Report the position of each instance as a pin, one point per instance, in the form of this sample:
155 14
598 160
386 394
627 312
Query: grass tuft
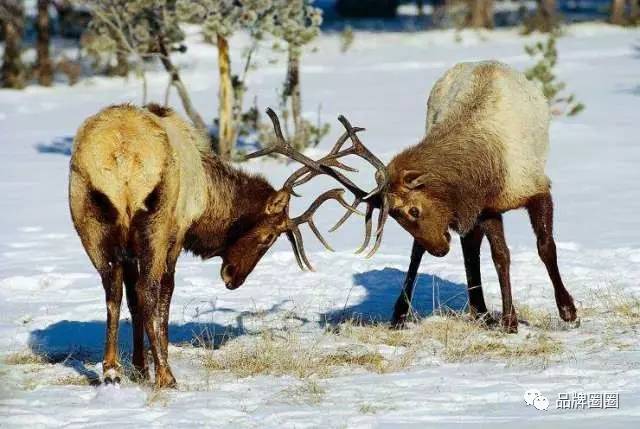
617 305
287 353
24 357
454 338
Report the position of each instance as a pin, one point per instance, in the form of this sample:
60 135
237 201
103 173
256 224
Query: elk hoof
510 324
139 374
399 321
165 379
111 376
109 380
568 313
486 319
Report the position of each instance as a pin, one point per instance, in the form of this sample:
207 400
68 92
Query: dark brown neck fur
243 196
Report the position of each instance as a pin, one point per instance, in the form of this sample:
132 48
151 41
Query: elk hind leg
540 210
112 283
131 275
148 291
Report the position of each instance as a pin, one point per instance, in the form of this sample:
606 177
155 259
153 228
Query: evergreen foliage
542 73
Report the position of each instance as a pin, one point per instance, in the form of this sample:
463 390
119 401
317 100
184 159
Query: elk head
241 257
406 198
420 211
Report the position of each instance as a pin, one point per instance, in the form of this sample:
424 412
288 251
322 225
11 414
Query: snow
51 300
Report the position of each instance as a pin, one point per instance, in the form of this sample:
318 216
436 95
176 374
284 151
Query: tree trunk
292 90
44 67
12 73
545 19
617 12
547 12
634 11
122 62
225 101
481 14
181 88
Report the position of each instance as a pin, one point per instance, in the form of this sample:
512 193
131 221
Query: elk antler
293 234
374 199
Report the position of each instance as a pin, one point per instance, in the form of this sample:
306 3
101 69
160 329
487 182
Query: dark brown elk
143 186
483 154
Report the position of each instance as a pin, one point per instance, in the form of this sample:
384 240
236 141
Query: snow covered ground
52 305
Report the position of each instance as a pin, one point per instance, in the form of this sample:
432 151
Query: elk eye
414 212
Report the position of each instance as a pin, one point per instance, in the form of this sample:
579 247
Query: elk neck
235 203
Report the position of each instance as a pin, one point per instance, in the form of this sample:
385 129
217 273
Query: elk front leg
404 300
540 210
112 283
141 371
471 243
494 230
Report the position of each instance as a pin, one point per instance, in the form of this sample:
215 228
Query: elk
143 186
484 154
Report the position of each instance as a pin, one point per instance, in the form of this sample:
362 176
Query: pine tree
141 29
219 20
297 22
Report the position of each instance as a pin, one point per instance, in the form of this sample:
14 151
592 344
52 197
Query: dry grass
455 338
616 305
451 338
367 408
157 398
24 357
75 380
288 353
307 393
538 318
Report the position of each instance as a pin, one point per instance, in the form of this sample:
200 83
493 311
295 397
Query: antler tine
304 174
296 250
361 150
329 165
294 234
309 165
283 147
382 218
367 229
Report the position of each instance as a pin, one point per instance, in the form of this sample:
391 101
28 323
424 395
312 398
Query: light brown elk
143 186
483 154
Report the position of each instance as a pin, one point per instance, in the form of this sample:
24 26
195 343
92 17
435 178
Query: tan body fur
514 114
484 153
486 143
143 186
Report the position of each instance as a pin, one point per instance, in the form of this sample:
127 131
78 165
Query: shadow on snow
383 288
76 344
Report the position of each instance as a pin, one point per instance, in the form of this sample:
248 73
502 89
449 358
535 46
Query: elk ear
277 202
413 178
